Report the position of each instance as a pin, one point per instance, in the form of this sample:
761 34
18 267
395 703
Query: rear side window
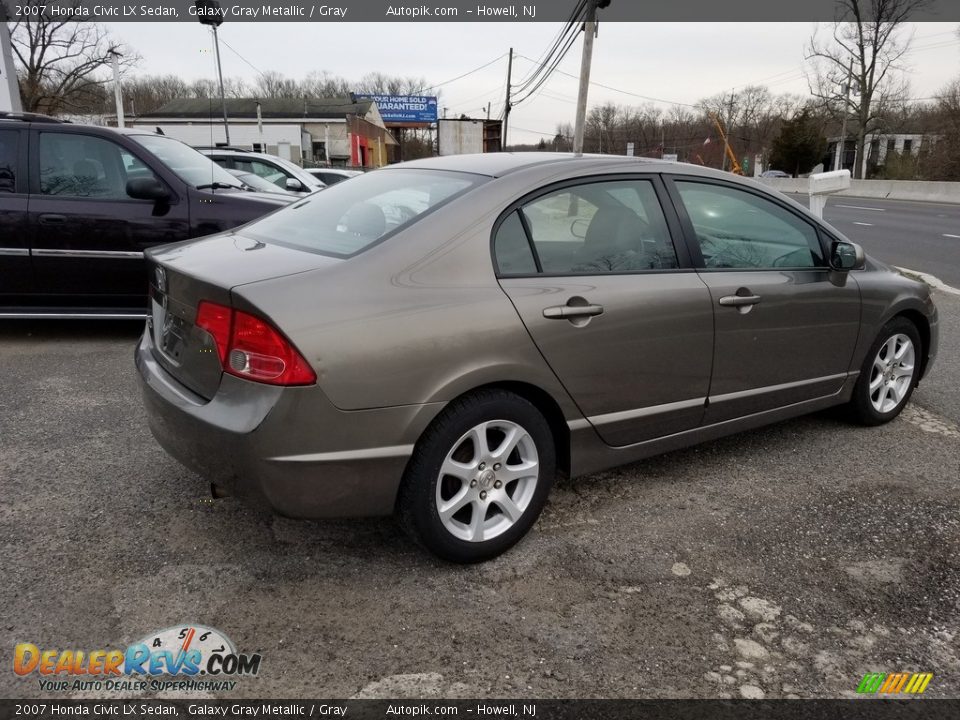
512 248
739 230
8 160
601 227
349 217
74 165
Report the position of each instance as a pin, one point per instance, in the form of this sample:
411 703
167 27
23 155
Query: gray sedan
441 339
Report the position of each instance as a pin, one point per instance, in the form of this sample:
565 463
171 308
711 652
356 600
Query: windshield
257 182
350 217
189 165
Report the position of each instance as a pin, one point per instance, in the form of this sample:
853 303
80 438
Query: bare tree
378 83
867 42
272 84
324 85
62 62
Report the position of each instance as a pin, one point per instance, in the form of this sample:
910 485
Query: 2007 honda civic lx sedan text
443 338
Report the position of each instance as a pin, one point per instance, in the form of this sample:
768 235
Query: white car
282 173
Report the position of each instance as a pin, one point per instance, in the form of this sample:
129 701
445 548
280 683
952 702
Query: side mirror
847 256
294 184
148 188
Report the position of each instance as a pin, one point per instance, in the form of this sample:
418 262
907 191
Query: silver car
441 339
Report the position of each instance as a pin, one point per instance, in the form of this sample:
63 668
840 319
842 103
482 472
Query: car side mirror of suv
847 256
294 185
148 188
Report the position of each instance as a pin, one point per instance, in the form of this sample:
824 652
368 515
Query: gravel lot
782 562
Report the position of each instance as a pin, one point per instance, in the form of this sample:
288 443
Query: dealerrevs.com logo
894 683
171 659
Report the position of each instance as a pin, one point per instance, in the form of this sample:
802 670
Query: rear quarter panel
420 318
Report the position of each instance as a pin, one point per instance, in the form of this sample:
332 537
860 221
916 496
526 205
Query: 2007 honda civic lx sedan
441 339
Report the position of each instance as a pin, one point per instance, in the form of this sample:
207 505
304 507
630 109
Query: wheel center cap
486 479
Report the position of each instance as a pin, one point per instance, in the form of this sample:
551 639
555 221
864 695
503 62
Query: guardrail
923 191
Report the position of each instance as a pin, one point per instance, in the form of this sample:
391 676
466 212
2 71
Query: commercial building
309 131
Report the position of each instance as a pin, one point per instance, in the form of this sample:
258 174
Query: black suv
79 204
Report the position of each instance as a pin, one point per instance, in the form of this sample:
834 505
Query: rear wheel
889 374
479 477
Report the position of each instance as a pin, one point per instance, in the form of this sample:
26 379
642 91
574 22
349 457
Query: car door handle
51 219
739 300
566 312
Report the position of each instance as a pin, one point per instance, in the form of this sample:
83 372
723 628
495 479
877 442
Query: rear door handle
51 219
566 312
739 300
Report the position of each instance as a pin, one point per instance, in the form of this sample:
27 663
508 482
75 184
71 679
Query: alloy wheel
487 480
892 373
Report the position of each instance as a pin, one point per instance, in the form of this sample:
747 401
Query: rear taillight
251 348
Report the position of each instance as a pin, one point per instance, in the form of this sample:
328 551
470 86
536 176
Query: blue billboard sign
405 108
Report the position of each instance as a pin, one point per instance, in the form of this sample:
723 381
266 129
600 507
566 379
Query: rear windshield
349 217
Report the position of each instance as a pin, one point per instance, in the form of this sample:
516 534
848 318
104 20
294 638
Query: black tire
417 506
861 409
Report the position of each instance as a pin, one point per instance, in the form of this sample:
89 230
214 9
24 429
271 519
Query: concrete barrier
922 191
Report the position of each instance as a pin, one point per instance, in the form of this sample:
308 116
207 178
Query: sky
673 62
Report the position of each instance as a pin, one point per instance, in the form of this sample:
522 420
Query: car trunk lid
183 275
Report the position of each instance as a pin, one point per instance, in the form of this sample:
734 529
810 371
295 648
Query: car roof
504 163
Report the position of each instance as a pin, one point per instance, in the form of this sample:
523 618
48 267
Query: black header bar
516 709
743 11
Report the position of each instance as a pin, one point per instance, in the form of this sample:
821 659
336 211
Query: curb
931 280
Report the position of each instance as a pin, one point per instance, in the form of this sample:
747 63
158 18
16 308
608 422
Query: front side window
350 217
8 160
601 227
739 230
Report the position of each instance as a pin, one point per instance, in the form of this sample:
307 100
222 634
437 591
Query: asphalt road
915 235
782 562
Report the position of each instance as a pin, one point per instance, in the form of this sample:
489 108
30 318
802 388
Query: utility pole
9 88
728 124
223 99
506 106
838 162
589 31
117 90
208 14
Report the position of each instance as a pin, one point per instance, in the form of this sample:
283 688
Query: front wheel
479 477
889 374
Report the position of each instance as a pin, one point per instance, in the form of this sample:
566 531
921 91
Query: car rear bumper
287 448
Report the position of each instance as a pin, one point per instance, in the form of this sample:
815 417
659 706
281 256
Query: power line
557 40
548 61
625 92
460 77
258 70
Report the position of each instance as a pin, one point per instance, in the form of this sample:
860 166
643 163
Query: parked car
331 176
775 174
443 338
282 173
79 204
258 184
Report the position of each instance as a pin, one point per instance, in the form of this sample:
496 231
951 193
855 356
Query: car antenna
160 131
